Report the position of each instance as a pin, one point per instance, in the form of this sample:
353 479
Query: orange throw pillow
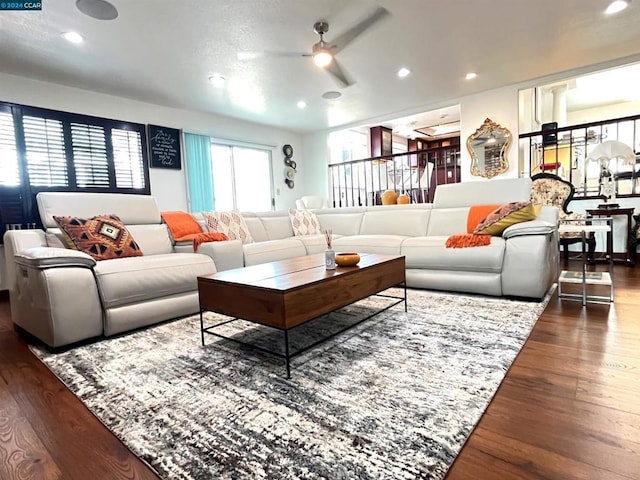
476 214
103 237
181 224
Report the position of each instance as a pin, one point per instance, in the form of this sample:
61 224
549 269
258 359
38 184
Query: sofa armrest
17 241
225 255
47 257
532 227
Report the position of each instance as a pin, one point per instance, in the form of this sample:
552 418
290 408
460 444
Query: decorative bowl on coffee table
347 259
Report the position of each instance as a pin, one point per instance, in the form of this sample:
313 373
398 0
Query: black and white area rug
394 398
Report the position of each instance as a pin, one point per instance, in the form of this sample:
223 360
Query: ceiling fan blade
350 35
270 54
336 71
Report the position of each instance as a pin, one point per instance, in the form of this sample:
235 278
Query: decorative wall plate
289 173
293 164
289 183
287 162
287 150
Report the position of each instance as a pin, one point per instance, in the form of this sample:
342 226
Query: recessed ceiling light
73 37
403 72
616 6
98 9
470 76
217 80
331 95
302 104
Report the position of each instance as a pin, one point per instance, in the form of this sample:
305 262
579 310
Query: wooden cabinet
381 141
420 159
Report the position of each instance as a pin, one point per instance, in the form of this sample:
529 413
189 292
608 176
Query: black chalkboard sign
164 147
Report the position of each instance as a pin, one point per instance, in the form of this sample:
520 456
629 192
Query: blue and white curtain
199 172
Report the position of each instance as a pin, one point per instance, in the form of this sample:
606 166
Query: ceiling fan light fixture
73 37
616 6
322 57
403 72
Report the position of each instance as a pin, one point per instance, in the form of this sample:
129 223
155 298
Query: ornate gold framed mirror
488 148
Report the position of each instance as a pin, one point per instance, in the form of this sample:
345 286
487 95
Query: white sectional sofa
62 296
520 263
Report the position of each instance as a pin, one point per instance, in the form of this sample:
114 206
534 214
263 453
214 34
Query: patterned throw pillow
104 237
504 216
231 223
304 222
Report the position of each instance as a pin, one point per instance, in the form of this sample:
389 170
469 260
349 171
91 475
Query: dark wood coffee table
288 293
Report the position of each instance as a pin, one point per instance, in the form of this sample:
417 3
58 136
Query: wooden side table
612 212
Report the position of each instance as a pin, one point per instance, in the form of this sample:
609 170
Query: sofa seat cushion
272 251
383 244
125 281
430 253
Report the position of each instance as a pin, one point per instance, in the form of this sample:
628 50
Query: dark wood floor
569 407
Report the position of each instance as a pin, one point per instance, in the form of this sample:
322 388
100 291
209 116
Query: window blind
89 155
9 170
45 152
127 158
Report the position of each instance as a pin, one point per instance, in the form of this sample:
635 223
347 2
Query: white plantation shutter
45 153
89 155
127 158
9 170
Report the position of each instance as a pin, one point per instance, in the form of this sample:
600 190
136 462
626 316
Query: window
9 171
347 145
48 150
241 178
45 152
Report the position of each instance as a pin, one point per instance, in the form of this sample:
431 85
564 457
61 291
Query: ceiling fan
324 53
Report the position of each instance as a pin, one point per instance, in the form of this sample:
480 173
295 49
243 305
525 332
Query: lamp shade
612 149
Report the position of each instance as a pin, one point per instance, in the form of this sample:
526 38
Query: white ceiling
162 51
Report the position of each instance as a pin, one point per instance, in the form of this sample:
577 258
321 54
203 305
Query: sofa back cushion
255 226
276 224
152 239
395 221
447 221
482 192
139 213
130 209
341 221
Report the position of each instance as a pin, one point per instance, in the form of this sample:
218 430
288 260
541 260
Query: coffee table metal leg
405 296
286 352
201 328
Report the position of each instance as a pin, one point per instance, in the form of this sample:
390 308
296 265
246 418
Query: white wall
315 148
588 115
168 186
501 105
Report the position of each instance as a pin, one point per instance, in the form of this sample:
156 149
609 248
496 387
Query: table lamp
603 154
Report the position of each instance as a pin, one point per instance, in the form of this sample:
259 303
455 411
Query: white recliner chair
309 202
